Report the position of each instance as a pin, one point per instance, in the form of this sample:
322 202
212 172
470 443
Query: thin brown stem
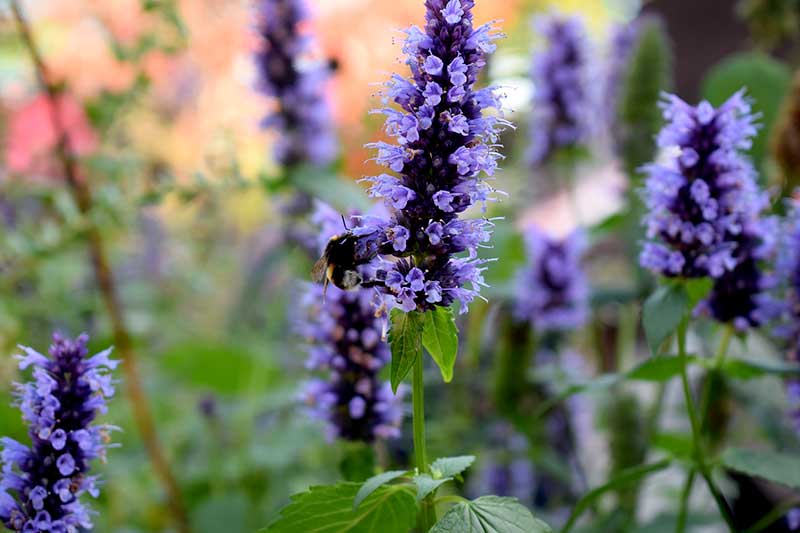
105 280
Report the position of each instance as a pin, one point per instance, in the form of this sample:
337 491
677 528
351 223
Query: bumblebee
338 263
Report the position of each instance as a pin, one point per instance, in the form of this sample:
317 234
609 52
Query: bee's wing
318 271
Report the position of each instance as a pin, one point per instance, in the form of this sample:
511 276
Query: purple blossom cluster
552 289
621 46
41 485
704 207
445 149
562 103
302 116
506 470
345 338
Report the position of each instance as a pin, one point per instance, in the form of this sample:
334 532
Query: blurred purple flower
445 150
551 289
506 470
561 99
41 485
302 118
344 338
704 207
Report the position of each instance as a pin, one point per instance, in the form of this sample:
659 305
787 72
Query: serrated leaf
490 514
772 466
742 368
662 314
329 509
372 484
451 466
440 338
426 485
405 341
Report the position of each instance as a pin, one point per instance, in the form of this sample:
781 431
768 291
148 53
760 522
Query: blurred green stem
683 511
719 359
427 517
104 276
697 436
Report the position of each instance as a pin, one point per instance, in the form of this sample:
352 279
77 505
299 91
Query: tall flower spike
552 290
344 339
446 147
41 485
787 302
302 116
561 99
704 207
621 46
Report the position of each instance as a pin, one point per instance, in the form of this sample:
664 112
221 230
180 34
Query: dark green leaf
772 466
626 477
663 312
451 466
426 485
440 338
405 337
490 514
329 509
372 484
657 369
740 368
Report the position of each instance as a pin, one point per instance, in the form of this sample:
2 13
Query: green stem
719 359
427 517
683 511
697 436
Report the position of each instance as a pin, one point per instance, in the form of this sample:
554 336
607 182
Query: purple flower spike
561 100
302 118
344 339
552 290
704 208
445 151
41 485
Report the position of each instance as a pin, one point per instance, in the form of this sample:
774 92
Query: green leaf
340 192
426 485
657 369
451 466
663 312
744 368
358 462
772 466
490 514
329 509
679 445
766 80
625 477
404 338
440 338
373 483
697 289
228 511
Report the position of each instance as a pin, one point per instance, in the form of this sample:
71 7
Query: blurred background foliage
161 107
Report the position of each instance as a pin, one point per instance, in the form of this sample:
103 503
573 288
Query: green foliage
404 337
678 445
338 191
766 80
440 338
451 466
748 368
624 478
772 466
358 463
373 483
426 485
663 312
224 512
649 73
490 514
329 509
628 442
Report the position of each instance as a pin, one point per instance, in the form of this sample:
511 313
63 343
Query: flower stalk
105 280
